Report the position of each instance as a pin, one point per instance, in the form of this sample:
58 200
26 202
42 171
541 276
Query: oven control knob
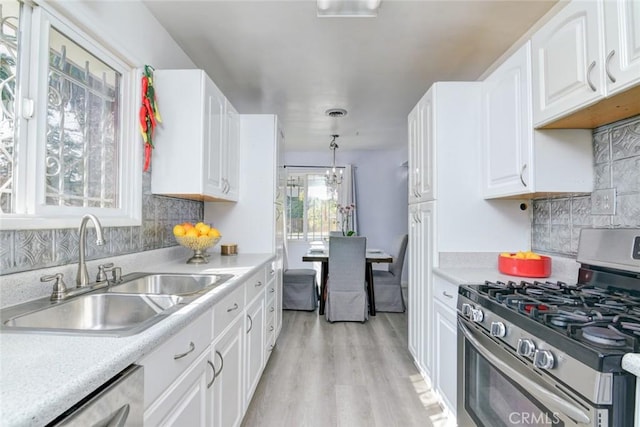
466 310
526 347
543 359
477 315
498 329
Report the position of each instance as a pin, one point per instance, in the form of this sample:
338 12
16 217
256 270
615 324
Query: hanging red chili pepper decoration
149 115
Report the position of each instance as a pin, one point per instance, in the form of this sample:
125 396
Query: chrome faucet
82 278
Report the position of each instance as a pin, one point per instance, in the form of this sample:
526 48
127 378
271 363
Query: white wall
128 28
382 194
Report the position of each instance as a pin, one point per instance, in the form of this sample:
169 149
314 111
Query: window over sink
68 142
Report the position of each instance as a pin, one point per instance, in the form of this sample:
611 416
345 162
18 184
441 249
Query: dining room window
311 206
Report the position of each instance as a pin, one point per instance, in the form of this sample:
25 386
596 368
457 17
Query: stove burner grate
603 336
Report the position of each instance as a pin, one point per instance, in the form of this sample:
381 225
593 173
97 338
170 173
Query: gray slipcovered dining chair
387 285
299 287
346 288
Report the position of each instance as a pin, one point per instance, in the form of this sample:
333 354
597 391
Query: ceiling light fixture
333 178
348 8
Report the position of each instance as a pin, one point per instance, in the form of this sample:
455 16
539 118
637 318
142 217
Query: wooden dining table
322 256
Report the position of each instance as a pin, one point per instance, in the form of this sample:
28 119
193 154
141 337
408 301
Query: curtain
350 193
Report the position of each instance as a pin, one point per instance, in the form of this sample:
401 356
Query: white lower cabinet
228 390
445 342
206 374
255 336
185 402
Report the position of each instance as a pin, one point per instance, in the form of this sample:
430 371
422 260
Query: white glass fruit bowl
199 245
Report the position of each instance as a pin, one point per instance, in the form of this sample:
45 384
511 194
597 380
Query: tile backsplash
557 222
24 250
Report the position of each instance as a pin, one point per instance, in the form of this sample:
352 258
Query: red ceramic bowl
525 267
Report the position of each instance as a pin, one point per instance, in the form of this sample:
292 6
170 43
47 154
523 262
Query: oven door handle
541 393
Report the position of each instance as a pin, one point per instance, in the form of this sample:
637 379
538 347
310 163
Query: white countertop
42 375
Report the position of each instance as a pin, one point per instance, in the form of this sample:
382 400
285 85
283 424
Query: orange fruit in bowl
191 232
187 225
213 232
179 230
203 228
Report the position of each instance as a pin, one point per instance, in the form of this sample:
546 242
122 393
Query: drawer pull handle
250 323
192 347
271 347
446 294
271 310
258 284
235 307
273 272
271 328
272 290
221 363
214 374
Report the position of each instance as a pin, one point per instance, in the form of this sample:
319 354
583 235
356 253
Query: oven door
496 388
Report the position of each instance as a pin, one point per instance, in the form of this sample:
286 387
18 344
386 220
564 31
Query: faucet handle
59 288
102 275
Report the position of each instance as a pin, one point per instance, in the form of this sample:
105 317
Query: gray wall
557 222
24 250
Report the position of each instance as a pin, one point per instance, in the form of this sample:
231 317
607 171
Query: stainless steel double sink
139 301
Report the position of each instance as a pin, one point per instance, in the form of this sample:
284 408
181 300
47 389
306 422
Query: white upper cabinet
586 53
421 151
622 44
567 63
518 160
506 126
196 146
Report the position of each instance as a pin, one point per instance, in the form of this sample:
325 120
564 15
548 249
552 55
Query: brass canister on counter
229 249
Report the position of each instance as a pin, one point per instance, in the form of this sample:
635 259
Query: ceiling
279 57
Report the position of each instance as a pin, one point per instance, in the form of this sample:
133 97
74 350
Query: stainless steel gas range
540 353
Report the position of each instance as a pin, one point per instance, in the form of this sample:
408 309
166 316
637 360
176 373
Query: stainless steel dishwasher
117 403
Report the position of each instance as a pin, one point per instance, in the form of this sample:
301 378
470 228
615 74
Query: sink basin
101 313
171 284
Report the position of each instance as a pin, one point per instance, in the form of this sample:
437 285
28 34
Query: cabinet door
228 395
567 64
255 345
622 44
187 401
414 290
426 242
426 140
215 134
445 361
420 264
232 154
414 154
507 128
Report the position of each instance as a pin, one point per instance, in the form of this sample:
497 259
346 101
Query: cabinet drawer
169 360
226 310
256 284
446 292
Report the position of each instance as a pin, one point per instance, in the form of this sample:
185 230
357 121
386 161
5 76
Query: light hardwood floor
343 374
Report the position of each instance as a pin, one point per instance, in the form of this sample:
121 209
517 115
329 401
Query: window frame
310 170
31 212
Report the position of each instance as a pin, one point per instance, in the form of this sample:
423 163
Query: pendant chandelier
333 177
